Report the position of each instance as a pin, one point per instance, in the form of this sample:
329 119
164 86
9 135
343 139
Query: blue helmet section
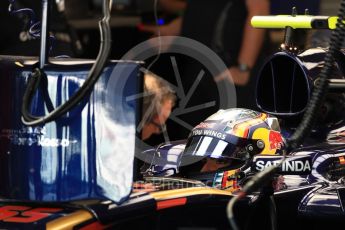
88 154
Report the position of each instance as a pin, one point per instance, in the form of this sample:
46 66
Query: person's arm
251 44
253 38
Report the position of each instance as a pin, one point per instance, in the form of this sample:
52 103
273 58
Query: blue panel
87 154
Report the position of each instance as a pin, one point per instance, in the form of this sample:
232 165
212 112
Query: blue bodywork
87 154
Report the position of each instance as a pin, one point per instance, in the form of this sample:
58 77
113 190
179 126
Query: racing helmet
235 135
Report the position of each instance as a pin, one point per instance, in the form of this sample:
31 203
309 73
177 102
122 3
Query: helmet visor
206 146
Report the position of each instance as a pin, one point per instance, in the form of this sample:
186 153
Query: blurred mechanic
224 26
158 101
246 42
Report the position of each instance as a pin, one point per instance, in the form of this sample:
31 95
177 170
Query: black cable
273 213
230 210
85 89
252 185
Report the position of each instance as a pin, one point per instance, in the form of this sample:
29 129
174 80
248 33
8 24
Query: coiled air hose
85 89
321 88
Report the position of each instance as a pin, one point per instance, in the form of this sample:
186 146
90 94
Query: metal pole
44 53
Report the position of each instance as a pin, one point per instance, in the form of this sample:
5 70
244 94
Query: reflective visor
206 146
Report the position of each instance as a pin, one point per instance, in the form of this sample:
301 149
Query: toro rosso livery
67 142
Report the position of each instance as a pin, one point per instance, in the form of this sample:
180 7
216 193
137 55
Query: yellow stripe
282 21
69 221
188 192
332 22
240 128
296 22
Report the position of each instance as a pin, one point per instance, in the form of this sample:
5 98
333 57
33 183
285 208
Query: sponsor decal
273 140
230 180
291 165
28 136
211 133
276 140
204 125
24 214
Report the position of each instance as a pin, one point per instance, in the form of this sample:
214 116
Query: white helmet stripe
196 146
218 151
201 151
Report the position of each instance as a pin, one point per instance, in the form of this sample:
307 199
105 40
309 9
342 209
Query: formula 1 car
57 172
308 190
